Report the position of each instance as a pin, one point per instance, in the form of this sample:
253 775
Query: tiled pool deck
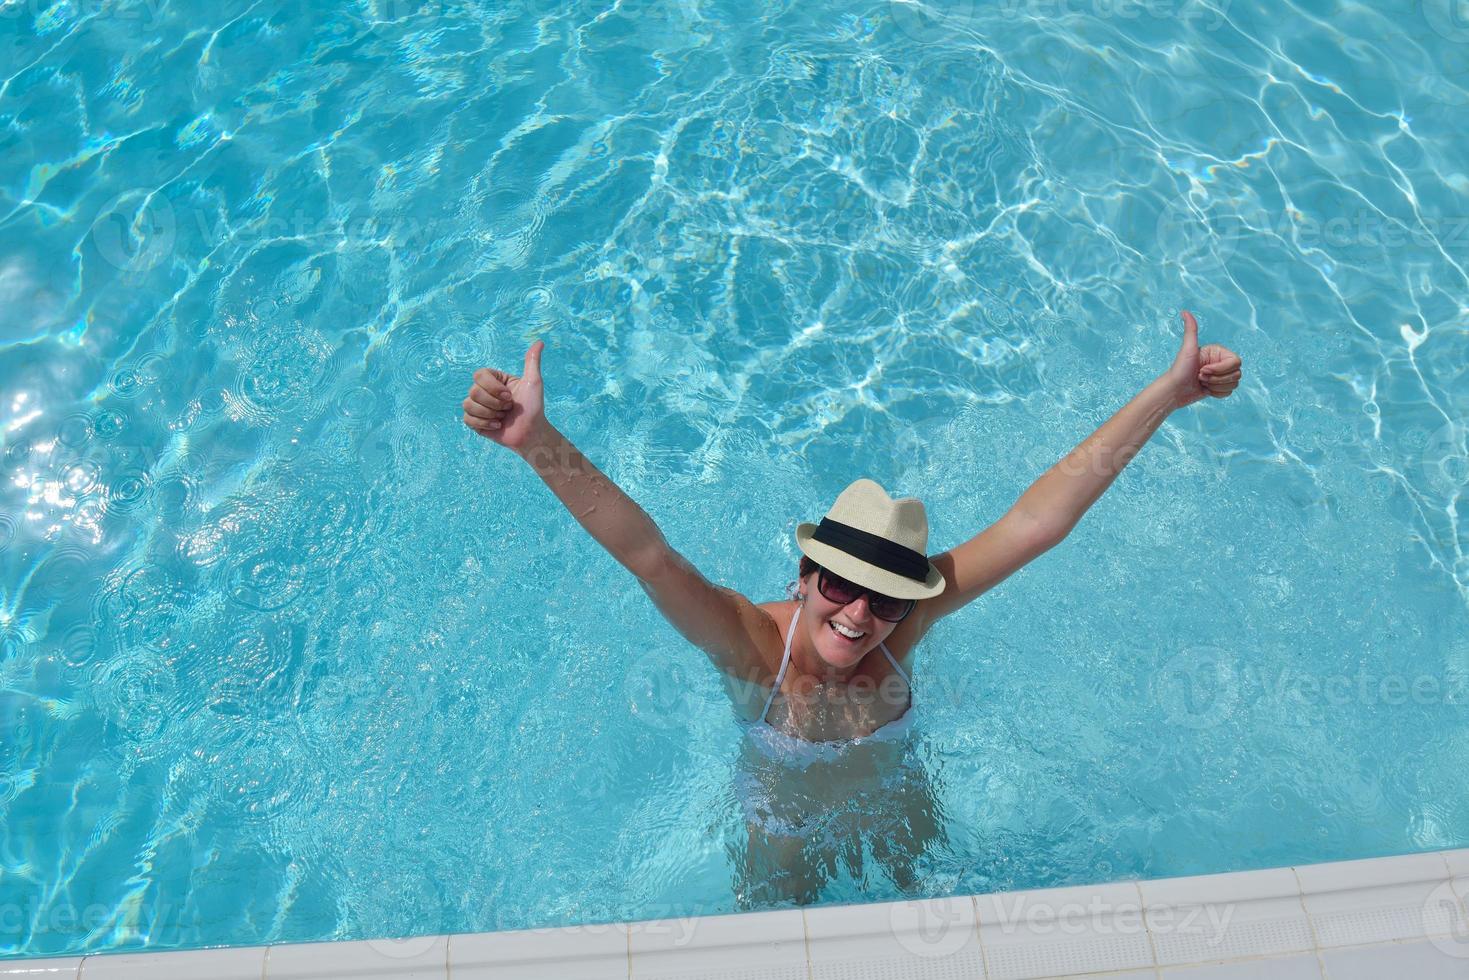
1400 918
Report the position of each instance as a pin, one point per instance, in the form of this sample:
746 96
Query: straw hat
876 541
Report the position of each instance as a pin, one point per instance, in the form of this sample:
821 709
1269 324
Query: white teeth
850 634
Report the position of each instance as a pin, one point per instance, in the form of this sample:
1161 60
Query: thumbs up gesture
505 408
1212 371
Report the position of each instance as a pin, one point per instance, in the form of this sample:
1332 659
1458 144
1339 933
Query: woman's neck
809 662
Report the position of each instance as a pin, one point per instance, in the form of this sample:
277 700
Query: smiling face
828 625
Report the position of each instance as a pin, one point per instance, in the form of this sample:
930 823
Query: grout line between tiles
806 941
984 965
1459 905
984 959
449 959
1142 907
1461 902
1310 923
628 933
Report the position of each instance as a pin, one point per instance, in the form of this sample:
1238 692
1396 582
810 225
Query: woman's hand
1198 372
506 408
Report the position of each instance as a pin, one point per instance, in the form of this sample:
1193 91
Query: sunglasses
836 589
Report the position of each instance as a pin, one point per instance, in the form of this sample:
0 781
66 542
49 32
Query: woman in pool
823 677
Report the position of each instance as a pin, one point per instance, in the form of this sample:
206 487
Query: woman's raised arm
1064 493
510 410
1055 502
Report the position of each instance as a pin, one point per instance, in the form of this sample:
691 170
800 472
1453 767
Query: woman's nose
857 608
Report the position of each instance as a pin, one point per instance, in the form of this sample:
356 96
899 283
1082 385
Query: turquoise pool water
288 654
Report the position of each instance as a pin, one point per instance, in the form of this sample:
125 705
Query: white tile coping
1353 920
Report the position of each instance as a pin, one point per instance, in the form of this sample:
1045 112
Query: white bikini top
804 747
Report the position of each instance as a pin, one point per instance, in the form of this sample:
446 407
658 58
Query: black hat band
887 555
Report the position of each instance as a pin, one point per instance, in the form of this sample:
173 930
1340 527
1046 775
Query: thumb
1190 334
533 362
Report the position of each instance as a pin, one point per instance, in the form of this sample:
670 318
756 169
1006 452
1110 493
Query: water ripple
259 583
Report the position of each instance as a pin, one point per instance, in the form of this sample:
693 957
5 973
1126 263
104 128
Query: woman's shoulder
781 611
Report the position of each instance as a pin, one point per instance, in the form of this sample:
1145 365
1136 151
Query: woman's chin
839 655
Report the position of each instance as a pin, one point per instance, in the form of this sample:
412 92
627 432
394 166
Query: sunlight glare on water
288 654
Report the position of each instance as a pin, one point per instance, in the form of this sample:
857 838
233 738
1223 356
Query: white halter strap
785 661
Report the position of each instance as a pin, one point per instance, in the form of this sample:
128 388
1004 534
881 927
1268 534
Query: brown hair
807 567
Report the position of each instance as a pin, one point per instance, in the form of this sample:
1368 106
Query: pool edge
1407 915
